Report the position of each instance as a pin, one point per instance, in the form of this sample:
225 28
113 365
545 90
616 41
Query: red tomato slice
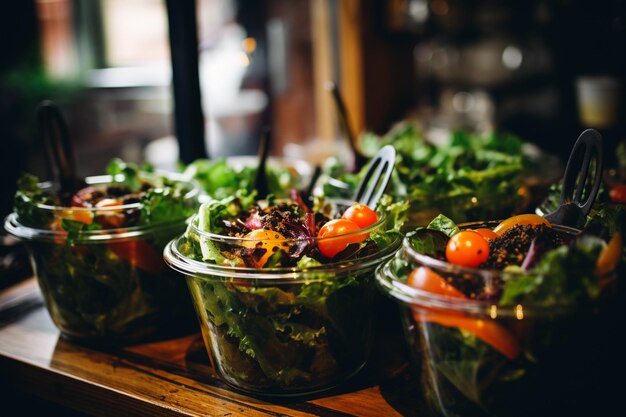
138 253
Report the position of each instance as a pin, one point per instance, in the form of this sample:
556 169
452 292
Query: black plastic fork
573 208
54 135
376 177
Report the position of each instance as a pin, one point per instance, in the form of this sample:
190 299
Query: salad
98 257
220 178
282 288
467 176
514 318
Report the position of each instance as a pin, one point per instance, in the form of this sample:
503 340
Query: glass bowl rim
19 230
27 233
288 275
193 192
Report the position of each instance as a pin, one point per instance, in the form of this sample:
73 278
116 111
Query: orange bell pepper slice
489 331
610 255
531 219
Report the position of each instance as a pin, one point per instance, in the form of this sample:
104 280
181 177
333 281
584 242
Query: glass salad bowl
537 340
286 311
98 259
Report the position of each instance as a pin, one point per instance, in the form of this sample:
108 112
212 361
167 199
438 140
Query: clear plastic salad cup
282 330
100 266
482 352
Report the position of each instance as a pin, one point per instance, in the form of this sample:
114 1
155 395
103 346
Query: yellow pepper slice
532 219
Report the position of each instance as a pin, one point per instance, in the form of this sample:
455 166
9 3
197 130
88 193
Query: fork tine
362 188
374 183
381 184
376 177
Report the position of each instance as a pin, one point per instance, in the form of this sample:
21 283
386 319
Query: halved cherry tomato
486 233
139 253
336 235
610 255
532 219
426 279
269 240
361 215
617 193
489 331
467 248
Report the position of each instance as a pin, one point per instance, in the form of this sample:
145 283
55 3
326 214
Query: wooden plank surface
166 378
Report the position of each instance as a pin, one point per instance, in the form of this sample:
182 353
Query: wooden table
166 378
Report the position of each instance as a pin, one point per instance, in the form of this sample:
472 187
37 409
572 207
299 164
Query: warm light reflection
493 311
249 45
474 200
519 312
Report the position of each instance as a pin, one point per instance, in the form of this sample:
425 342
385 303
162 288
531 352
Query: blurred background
130 83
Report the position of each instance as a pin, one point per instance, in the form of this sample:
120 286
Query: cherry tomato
532 219
336 235
269 240
486 233
618 193
467 248
361 215
426 279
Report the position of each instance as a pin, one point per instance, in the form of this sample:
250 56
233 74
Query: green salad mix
468 177
223 177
